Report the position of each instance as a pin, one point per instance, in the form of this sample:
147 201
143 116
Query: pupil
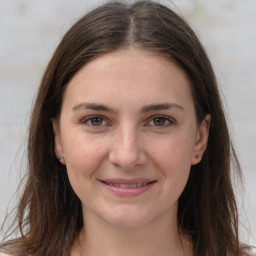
96 121
159 121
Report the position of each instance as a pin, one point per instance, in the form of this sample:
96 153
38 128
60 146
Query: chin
128 218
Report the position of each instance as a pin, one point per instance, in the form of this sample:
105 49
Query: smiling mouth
120 185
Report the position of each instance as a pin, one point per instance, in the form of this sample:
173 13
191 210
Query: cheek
80 150
173 151
83 156
173 158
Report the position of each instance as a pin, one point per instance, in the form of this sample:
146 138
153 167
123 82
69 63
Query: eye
95 121
160 121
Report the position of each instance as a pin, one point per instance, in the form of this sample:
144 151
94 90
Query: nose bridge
127 150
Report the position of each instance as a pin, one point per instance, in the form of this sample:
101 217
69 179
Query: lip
128 181
109 184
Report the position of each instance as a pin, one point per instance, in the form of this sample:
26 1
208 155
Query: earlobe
57 142
201 140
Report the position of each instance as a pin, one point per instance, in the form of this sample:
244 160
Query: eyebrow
163 106
144 109
93 106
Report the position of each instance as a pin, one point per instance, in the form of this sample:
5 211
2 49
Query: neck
160 237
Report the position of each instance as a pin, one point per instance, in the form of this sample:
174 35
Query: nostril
127 159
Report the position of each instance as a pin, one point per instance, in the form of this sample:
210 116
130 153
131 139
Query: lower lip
128 192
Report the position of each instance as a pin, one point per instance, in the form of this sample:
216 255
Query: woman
129 151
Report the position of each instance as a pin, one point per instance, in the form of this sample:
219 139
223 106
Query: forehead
132 74
134 61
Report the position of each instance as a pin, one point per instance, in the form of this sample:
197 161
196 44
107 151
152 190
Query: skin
128 139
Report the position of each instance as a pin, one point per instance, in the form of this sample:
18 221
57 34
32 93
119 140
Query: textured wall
30 31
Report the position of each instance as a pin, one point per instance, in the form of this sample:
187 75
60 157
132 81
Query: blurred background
31 30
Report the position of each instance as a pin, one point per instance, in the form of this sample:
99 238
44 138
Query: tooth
127 185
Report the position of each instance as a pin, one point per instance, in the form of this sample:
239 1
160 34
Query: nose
127 151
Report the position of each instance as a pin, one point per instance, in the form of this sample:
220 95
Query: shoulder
252 252
3 254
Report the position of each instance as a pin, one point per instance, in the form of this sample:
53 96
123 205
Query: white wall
30 31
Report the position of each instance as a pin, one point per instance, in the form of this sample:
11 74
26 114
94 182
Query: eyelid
86 119
171 121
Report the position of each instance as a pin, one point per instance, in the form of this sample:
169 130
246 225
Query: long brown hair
49 215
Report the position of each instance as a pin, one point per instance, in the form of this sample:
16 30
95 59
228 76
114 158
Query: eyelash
170 121
90 119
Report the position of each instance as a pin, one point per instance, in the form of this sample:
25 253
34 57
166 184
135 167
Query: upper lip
127 181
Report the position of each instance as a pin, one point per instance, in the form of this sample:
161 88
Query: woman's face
128 134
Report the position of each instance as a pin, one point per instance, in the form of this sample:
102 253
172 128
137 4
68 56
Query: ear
201 140
57 141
